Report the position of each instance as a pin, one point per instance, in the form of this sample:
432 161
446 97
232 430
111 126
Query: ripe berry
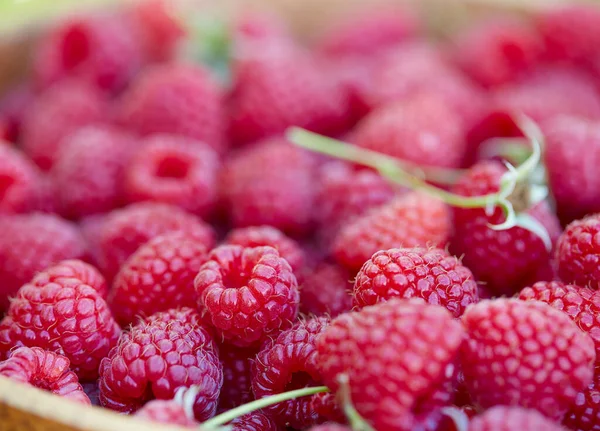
73 268
286 363
237 376
525 353
45 370
255 421
175 99
30 243
247 294
20 181
505 260
65 316
174 170
504 418
158 356
167 412
398 356
584 414
126 229
578 252
158 276
430 274
325 290
411 220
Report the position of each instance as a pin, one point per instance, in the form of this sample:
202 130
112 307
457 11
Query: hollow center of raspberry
6 183
172 167
76 47
300 380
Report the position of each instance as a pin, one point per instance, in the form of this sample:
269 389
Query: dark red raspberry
505 260
578 252
247 294
67 317
256 236
237 376
168 351
174 170
287 363
398 356
176 99
525 353
20 181
325 290
255 421
166 412
504 418
584 414
45 370
88 170
30 243
126 229
158 276
270 184
430 274
55 114
74 268
411 220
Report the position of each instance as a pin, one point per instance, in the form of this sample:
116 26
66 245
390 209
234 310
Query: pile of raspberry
167 252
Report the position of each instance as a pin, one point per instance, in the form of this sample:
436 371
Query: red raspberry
30 243
399 358
256 236
126 229
421 129
45 370
411 220
158 276
270 184
166 412
430 274
326 291
290 362
584 414
65 316
498 50
505 260
247 294
176 99
237 376
174 170
55 114
74 268
88 170
504 418
158 356
255 421
276 90
578 252
20 181
525 353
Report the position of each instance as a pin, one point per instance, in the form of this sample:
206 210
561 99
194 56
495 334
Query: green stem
357 422
232 414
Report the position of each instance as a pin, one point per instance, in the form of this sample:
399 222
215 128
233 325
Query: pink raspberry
504 418
73 268
247 294
255 421
325 290
237 375
174 170
430 274
157 277
20 182
168 412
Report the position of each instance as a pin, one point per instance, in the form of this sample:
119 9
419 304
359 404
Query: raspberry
498 50
411 220
398 357
174 170
237 376
103 50
525 353
45 370
578 252
421 129
504 418
156 358
584 414
55 114
247 294
126 229
256 236
290 362
158 276
66 269
325 290
30 243
88 170
270 184
176 99
255 421
166 412
19 181
65 316
505 260
430 274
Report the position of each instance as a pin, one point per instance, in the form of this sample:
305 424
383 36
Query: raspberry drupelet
325 290
45 370
72 268
247 294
